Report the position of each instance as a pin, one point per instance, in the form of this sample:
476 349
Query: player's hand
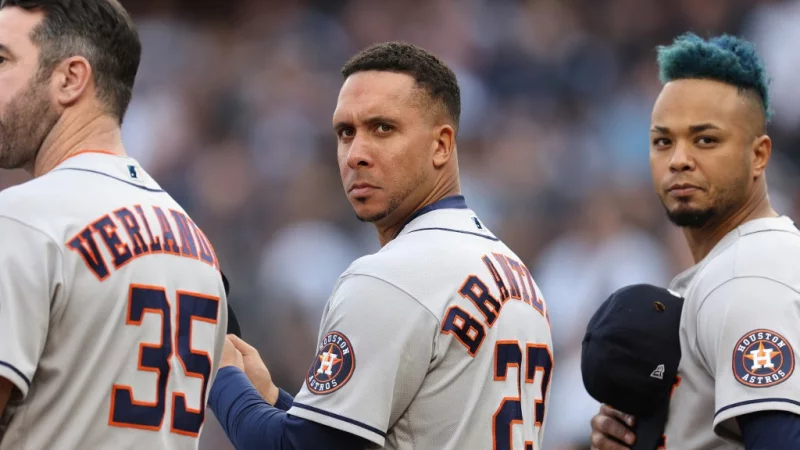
230 355
609 428
256 370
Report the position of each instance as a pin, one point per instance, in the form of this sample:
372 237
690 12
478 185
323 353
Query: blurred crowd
231 114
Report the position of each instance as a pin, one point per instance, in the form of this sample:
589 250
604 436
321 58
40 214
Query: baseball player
438 341
736 386
112 308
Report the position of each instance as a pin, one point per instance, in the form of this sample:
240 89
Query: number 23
538 359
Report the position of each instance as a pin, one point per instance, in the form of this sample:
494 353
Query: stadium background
231 114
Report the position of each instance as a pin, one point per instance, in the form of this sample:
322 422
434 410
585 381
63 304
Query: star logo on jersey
333 366
762 358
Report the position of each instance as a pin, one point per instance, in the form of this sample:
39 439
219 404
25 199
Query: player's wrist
271 394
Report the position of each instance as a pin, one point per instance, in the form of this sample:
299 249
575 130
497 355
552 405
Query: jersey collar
450 202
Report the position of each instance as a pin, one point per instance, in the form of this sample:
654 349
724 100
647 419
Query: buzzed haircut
430 73
99 30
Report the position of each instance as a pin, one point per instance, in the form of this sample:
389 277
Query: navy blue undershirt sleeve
770 430
285 400
251 423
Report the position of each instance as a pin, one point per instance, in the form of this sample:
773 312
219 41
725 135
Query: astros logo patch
762 358
333 366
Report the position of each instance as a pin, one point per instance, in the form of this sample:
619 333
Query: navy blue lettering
188 247
134 231
170 244
155 242
476 290
465 328
107 229
509 275
91 255
501 285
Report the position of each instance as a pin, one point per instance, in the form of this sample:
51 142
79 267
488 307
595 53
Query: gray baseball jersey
112 311
740 329
438 341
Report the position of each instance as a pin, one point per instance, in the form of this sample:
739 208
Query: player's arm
770 430
748 336
252 423
30 274
376 345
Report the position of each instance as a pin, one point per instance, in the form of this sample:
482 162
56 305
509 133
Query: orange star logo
760 355
328 360
762 358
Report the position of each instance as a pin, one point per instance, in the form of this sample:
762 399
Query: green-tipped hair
724 58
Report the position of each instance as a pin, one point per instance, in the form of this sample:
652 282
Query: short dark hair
430 73
725 58
99 30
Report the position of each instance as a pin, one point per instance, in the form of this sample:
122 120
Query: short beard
727 201
691 219
26 122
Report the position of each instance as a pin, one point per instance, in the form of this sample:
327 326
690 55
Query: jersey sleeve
29 265
748 335
376 345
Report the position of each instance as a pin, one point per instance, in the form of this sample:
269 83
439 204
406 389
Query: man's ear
444 145
760 153
72 79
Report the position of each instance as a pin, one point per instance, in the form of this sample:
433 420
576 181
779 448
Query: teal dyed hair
724 58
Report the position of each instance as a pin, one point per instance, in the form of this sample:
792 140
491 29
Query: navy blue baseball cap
630 356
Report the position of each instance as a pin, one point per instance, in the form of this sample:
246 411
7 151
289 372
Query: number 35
126 411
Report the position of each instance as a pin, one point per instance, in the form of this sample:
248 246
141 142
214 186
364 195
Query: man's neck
70 136
389 231
702 240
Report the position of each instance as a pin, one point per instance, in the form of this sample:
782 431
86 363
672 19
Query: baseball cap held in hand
630 356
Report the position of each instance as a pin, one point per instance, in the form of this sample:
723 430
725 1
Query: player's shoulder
764 249
24 202
24 208
421 254
430 265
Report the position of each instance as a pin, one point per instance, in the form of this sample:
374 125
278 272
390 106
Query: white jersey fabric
740 332
438 341
112 311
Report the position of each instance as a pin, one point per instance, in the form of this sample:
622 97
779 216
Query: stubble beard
394 201
25 124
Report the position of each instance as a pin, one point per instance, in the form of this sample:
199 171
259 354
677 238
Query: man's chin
370 217
690 218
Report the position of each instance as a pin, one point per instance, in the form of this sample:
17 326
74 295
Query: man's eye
660 142
707 140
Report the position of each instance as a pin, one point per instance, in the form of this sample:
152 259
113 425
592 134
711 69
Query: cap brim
233 323
648 430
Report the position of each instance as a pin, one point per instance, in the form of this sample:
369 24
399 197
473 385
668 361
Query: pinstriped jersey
438 341
740 332
112 311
